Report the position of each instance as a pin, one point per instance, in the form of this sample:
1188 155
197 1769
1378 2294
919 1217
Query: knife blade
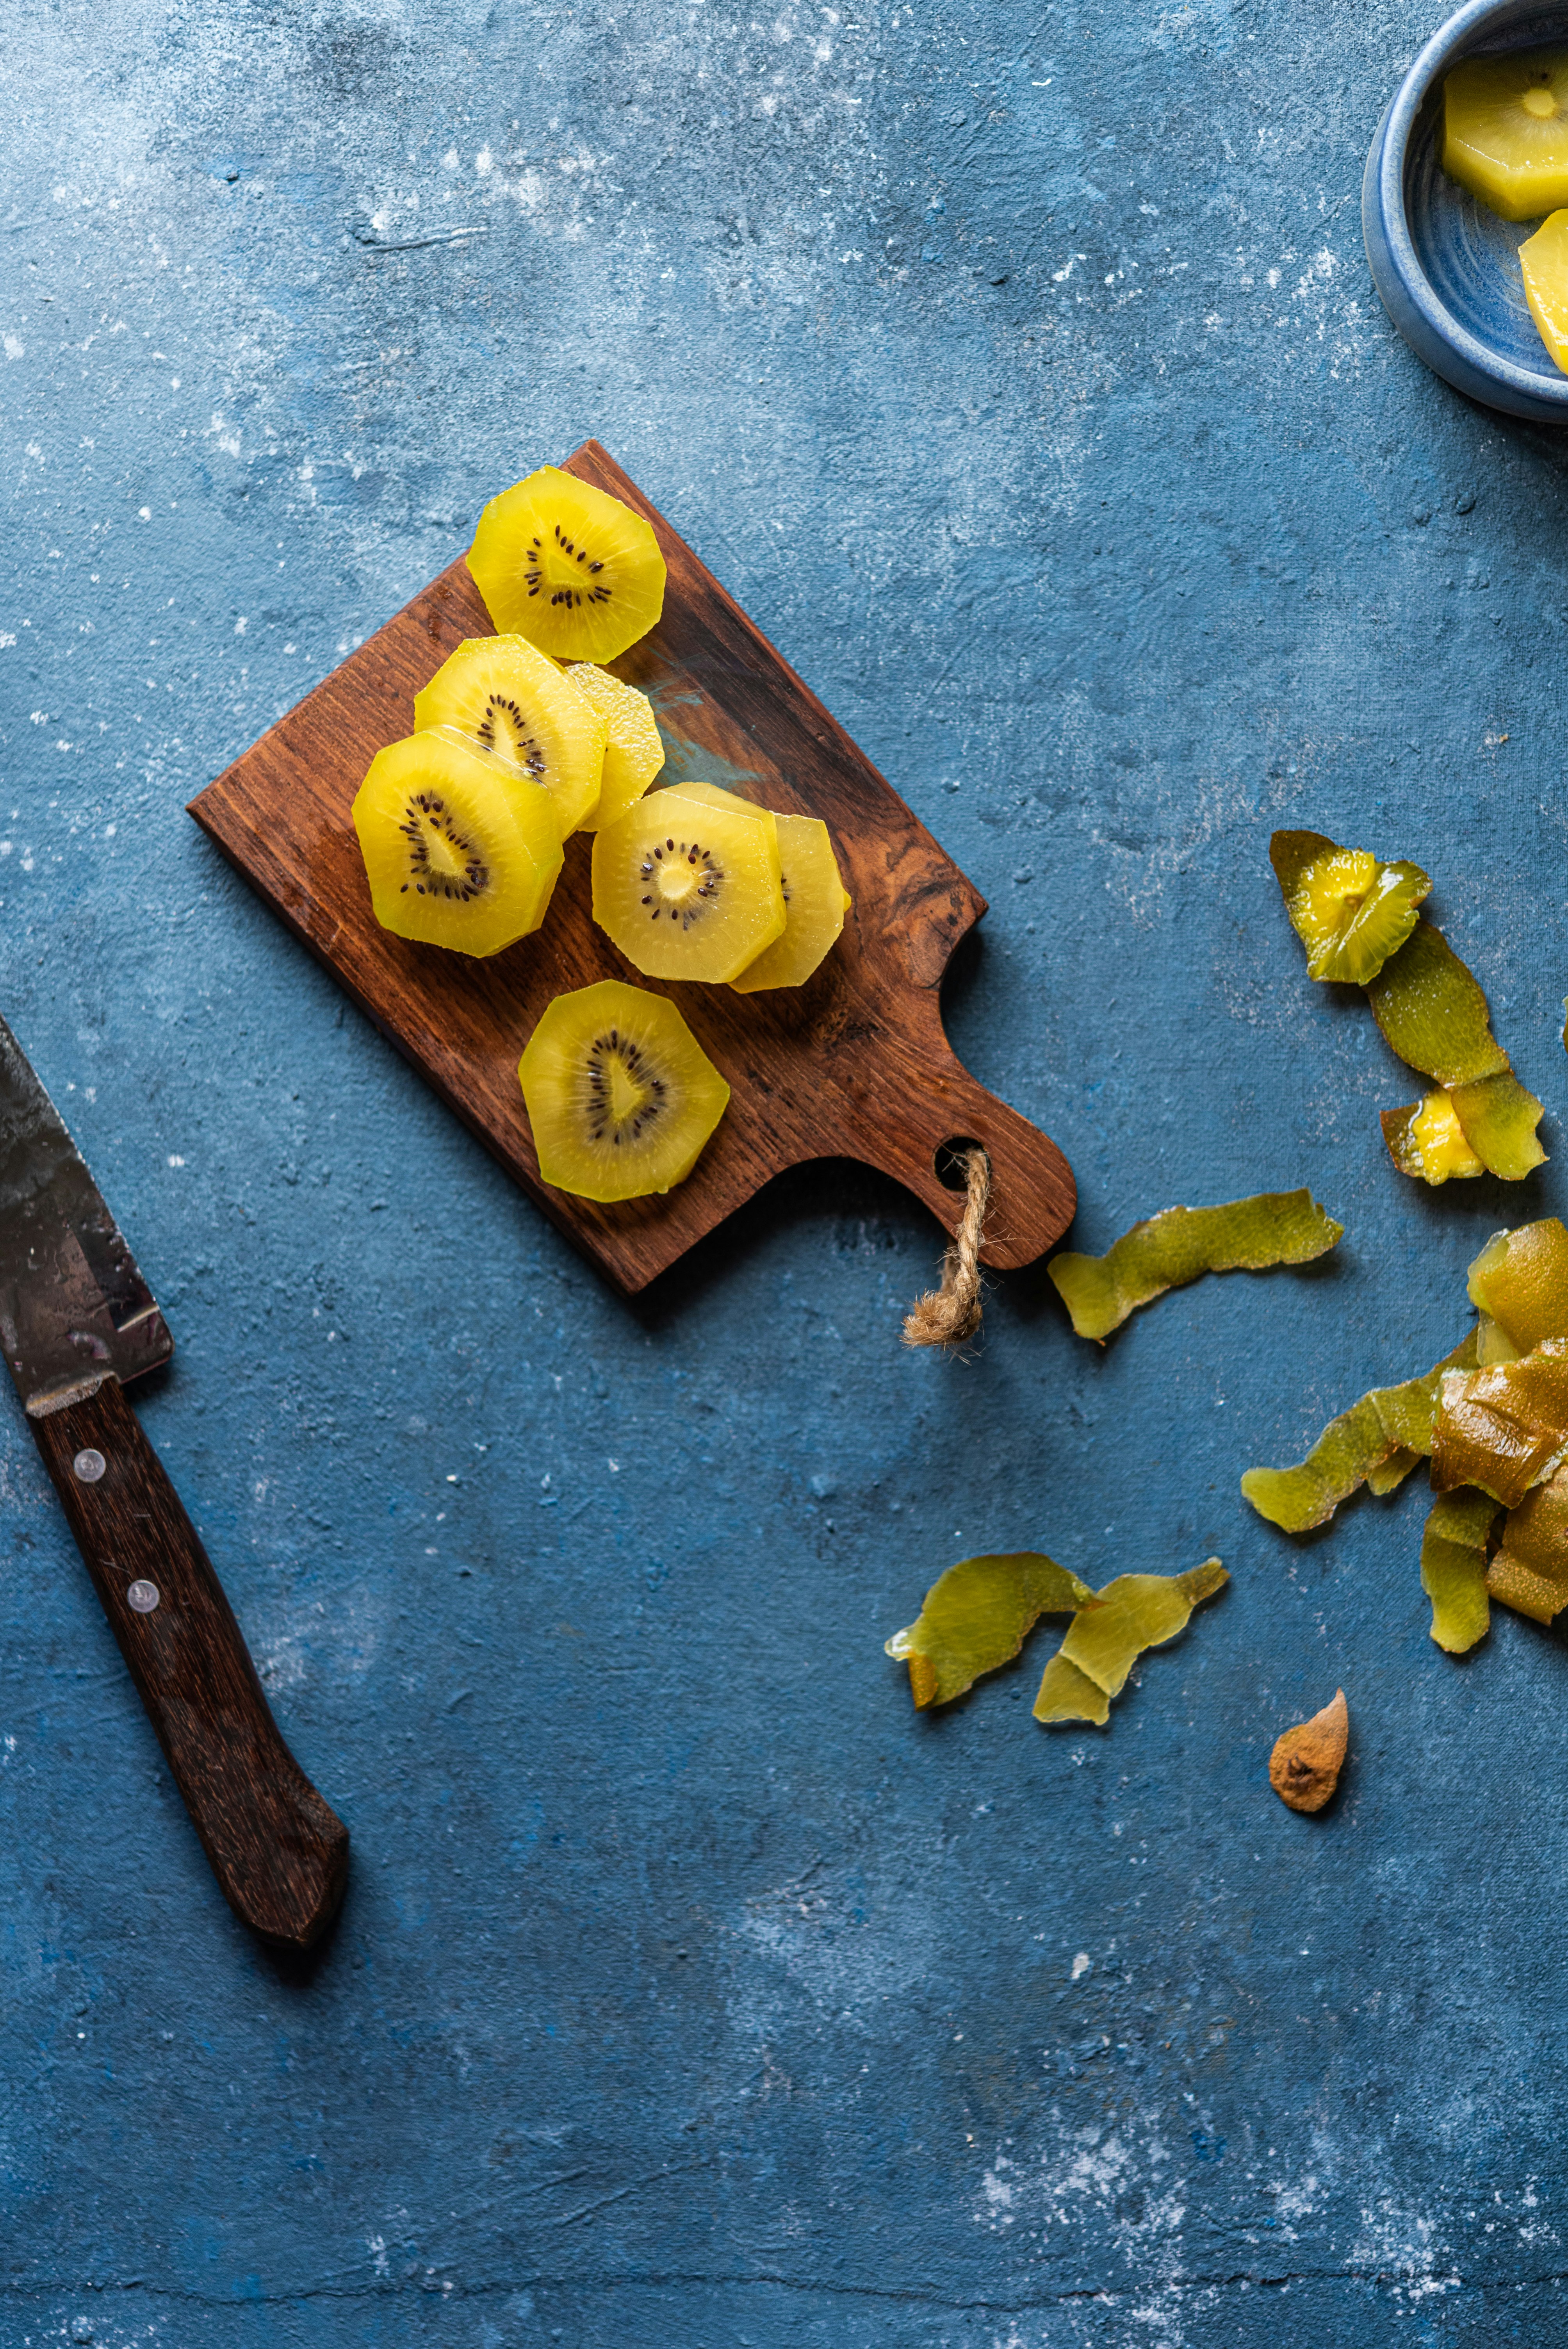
77 1321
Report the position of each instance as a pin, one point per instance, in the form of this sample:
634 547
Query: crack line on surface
435 2285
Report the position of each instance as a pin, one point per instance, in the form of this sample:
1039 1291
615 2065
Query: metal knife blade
74 1308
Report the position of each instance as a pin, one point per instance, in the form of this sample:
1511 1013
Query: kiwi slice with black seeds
688 891
568 566
620 1097
461 849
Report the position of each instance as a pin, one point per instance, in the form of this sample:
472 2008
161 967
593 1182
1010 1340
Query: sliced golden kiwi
687 890
507 697
461 849
714 795
815 904
621 1096
568 566
815 898
633 751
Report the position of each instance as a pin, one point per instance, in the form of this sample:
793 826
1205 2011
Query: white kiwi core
676 881
627 1094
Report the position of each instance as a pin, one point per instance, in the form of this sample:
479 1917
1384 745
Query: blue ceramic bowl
1446 266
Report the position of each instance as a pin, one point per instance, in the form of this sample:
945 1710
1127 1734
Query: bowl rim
1446 44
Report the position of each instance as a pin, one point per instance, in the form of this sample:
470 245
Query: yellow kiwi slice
1505 130
714 795
461 849
815 904
634 753
686 890
1543 262
504 694
621 1096
568 566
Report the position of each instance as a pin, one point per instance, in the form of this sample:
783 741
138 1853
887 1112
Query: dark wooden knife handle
279 1853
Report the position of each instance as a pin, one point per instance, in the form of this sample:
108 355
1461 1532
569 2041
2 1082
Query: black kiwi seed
602 1124
426 882
533 575
527 752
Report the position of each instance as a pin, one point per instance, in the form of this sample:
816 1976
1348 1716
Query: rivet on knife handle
277 1849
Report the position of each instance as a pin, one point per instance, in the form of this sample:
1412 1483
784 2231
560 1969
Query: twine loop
952 1314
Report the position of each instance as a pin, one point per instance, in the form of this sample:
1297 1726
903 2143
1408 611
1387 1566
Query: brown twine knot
950 1314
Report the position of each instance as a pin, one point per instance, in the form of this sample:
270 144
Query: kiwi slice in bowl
634 748
461 849
621 1096
687 890
568 566
508 697
815 904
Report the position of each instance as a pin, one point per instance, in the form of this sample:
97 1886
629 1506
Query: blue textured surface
1019 372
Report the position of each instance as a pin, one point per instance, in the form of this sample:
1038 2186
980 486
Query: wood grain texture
279 1853
855 1063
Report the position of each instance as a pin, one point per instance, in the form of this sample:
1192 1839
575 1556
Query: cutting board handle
908 1131
279 1853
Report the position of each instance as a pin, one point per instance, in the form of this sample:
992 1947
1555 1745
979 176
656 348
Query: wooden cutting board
853 1064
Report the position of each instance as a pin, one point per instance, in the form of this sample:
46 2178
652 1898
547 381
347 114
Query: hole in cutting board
950 1159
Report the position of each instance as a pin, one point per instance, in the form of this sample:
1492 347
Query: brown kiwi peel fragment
1433 1013
1485 1127
1505 1428
1359 921
1529 1571
1520 1281
1428 1142
1174 1247
1391 1473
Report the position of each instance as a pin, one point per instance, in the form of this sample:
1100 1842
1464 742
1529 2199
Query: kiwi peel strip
1174 1247
1453 1566
976 1617
1135 1612
1359 920
1369 1442
1494 1418
1529 1569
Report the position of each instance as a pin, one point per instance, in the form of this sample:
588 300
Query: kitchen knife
77 1322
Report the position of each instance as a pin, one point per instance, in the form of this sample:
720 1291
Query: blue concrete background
1019 369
